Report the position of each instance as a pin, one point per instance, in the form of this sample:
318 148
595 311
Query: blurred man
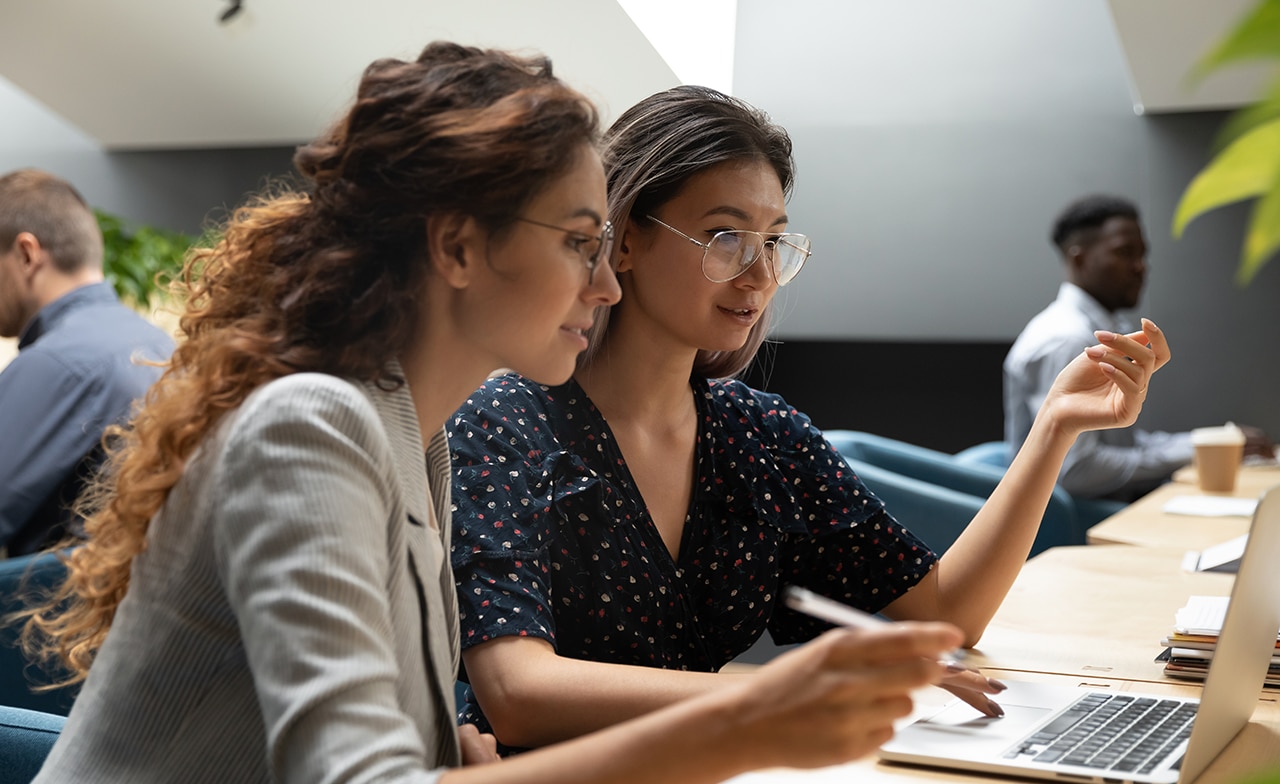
75 371
1105 253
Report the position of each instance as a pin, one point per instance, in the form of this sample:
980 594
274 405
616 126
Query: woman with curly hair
263 594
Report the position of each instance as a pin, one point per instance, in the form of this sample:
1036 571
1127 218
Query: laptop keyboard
1111 732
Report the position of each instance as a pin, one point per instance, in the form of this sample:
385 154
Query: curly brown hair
327 279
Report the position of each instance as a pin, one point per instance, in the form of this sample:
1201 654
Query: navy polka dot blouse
551 538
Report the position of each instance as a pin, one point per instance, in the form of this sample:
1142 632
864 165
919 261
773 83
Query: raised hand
1107 383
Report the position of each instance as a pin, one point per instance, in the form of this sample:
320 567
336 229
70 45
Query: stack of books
1189 647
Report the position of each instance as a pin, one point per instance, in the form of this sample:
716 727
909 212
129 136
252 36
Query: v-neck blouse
551 538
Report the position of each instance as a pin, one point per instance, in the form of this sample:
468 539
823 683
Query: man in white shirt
1101 242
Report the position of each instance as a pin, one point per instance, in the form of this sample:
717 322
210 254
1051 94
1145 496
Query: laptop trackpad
958 730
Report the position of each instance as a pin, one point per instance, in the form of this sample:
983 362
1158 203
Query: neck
634 377
441 373
53 287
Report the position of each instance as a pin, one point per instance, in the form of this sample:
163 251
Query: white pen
810 603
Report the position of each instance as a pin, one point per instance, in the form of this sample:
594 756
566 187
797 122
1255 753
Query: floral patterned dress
551 538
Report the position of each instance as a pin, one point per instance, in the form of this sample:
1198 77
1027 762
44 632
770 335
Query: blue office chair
1089 511
25 737
992 453
21 578
1059 526
934 513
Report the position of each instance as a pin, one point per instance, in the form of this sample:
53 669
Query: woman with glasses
264 593
621 537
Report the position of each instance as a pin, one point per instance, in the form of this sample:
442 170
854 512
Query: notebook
1019 743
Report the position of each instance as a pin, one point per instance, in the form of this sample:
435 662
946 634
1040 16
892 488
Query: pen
810 603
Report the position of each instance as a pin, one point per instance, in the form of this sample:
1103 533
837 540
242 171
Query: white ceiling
166 73
1163 39
148 74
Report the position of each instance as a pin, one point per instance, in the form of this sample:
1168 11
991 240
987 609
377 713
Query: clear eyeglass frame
591 258
789 252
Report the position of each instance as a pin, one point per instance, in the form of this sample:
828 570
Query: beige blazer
293 617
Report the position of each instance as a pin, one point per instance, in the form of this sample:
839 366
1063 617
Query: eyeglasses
591 249
731 253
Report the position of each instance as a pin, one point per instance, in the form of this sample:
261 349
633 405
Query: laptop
1050 730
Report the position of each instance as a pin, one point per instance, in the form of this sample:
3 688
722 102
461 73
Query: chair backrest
1089 511
934 513
20 578
992 453
26 737
1059 526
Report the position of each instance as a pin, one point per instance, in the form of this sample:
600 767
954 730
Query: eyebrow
726 209
589 213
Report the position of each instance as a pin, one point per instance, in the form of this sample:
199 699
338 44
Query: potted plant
1246 154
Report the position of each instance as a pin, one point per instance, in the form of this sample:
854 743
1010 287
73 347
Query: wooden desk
1143 522
1093 611
1255 749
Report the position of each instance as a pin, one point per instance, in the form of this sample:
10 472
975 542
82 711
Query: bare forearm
689 743
533 697
974 575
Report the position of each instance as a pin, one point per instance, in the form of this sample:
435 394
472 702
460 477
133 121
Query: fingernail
1096 352
1104 335
997 684
1146 322
955 666
995 708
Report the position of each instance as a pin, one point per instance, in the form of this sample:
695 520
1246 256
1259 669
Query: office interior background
935 142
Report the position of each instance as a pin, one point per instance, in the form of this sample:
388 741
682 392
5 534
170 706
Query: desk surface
1143 522
1095 611
1255 749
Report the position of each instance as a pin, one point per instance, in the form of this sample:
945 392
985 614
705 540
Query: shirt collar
1120 321
48 317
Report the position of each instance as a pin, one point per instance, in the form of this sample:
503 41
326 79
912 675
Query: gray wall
935 141
176 189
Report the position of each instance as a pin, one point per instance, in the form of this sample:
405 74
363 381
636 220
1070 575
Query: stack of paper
1195 632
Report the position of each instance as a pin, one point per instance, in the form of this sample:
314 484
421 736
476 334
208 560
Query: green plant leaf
133 257
1248 118
1246 168
1262 238
1256 36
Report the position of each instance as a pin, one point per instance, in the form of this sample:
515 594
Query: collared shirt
73 376
1119 463
553 540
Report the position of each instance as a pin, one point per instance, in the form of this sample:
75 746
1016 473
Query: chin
551 374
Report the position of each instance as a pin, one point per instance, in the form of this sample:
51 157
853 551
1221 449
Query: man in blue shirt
1105 253
75 372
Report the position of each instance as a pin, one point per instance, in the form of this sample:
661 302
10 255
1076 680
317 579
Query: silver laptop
1054 731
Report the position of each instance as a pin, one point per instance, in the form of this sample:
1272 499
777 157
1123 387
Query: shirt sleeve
502 517
841 542
301 544
1094 468
52 417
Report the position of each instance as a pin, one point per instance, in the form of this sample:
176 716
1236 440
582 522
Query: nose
604 288
759 274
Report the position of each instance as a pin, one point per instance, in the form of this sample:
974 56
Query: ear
628 243
31 256
455 246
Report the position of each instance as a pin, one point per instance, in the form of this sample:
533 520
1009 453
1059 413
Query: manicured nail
1096 352
995 708
1149 324
997 684
1104 336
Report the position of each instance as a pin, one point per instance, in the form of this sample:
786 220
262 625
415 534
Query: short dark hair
1082 217
55 213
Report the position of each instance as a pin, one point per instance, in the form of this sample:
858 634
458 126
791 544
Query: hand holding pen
964 681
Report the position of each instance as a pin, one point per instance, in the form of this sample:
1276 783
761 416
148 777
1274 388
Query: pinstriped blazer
293 617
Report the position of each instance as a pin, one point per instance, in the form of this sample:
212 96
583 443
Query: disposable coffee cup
1219 451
